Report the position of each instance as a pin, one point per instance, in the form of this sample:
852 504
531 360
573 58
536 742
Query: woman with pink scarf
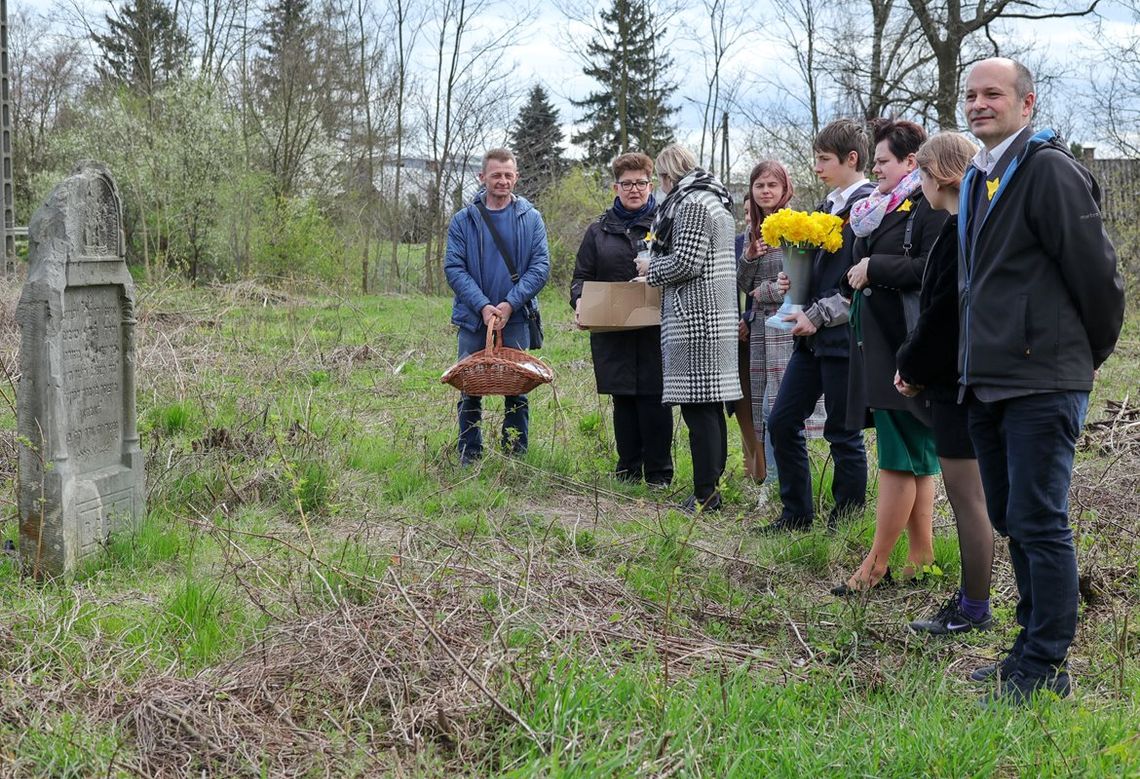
894 228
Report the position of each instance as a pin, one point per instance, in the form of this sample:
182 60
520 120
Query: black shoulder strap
498 239
908 236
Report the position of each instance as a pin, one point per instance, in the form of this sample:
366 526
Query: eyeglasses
630 185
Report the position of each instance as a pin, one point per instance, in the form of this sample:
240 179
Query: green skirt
905 444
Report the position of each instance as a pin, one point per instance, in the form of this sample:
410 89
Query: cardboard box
619 305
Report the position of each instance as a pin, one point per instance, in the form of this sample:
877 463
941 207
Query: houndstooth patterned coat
698 303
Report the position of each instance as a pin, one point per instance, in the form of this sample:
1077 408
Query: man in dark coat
627 364
1041 305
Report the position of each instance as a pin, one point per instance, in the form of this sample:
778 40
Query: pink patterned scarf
867 214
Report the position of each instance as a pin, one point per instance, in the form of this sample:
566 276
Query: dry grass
431 646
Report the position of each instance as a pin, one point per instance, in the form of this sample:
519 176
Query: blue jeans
805 379
516 415
773 474
1025 449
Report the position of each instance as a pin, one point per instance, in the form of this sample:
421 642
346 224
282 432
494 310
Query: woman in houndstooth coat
694 262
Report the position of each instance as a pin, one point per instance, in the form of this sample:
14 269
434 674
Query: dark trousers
643 433
708 445
805 379
516 415
1025 449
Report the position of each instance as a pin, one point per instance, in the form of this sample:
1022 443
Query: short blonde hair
945 157
498 155
675 161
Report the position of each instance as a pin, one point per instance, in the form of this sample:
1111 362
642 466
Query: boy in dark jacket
819 364
1041 304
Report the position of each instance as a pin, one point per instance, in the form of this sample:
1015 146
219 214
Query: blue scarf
629 217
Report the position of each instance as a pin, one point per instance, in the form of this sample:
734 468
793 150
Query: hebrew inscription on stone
81 469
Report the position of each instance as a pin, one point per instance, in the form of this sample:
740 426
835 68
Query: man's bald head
1022 78
999 99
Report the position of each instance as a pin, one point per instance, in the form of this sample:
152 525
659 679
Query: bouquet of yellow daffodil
803 230
799 233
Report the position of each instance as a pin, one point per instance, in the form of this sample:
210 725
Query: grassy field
319 589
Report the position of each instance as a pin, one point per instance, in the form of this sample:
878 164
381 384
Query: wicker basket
497 370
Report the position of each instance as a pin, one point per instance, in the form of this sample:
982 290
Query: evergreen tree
287 36
536 140
291 92
631 111
143 47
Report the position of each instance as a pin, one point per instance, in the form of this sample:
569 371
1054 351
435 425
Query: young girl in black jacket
928 368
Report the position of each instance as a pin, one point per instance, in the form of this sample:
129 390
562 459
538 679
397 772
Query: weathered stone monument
81 469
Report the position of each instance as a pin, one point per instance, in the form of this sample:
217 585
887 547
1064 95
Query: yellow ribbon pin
992 188
906 206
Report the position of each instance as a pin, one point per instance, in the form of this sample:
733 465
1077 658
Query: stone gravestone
81 469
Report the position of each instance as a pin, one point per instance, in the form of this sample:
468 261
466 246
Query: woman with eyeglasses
693 263
627 364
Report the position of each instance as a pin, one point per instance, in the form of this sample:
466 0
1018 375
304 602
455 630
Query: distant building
418 177
1120 185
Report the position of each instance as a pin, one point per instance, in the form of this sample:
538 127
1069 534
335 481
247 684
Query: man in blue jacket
1041 305
490 293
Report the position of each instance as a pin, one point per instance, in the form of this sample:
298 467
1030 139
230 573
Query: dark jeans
1025 451
805 379
708 445
643 433
517 415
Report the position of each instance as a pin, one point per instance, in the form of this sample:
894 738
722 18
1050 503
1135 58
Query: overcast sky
1068 42
545 43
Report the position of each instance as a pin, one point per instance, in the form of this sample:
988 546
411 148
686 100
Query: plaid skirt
769 350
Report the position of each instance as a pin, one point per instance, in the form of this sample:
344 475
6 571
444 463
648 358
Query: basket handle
491 333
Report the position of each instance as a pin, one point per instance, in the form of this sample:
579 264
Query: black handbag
530 311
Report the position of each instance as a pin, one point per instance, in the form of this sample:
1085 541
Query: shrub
568 207
293 238
313 487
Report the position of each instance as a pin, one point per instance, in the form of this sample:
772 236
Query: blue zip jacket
470 276
1041 300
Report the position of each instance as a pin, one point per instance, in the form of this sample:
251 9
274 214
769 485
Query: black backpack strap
498 239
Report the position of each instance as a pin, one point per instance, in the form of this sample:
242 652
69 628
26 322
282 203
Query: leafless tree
470 98
48 71
1115 97
406 16
785 111
879 58
218 30
728 27
362 123
948 29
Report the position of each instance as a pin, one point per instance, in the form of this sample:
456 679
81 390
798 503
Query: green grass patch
172 418
64 746
158 539
811 551
203 623
737 724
